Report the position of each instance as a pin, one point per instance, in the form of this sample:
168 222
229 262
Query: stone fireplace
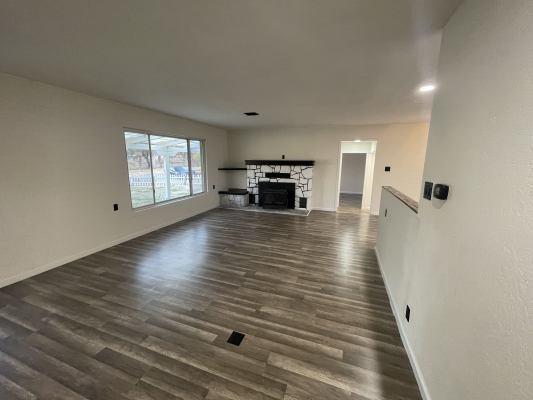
281 183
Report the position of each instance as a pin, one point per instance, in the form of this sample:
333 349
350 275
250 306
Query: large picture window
163 168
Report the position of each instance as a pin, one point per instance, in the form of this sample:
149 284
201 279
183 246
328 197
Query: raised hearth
234 198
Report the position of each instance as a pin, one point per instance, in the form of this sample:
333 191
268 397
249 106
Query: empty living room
266 199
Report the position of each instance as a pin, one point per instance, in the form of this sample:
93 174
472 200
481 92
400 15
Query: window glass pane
197 166
138 152
170 167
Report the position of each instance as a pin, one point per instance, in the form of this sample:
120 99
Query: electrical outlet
407 312
214 187
385 212
283 156
387 169
115 207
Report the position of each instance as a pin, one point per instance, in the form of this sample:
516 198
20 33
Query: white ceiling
296 62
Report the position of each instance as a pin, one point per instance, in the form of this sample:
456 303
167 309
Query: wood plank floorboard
149 319
350 203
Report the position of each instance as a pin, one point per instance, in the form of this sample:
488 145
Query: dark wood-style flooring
350 203
149 318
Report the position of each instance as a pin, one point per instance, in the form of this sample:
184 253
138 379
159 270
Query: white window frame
188 139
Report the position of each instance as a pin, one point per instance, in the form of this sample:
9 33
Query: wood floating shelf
232 169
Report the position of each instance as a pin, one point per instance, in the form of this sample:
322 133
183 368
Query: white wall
353 172
396 246
468 273
63 165
402 146
358 147
369 178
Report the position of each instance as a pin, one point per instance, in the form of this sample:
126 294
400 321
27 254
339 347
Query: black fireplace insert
277 194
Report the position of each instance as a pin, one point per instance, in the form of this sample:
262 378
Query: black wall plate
428 189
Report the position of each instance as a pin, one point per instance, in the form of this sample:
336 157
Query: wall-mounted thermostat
441 191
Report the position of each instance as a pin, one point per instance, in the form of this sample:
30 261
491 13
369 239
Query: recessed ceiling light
251 114
427 88
357 140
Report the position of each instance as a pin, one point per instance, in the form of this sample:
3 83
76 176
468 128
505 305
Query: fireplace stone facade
300 175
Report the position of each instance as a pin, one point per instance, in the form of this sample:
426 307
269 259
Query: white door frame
369 173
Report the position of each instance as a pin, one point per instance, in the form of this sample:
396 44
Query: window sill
167 202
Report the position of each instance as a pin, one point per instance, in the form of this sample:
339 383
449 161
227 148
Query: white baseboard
361 193
410 354
57 263
324 209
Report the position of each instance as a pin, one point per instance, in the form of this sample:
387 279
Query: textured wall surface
402 146
469 277
63 165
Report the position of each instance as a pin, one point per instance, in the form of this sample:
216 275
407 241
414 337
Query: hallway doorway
349 202
356 175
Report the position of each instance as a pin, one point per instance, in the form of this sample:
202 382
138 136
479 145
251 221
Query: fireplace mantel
305 163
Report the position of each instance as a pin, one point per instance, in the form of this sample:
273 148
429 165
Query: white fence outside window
160 181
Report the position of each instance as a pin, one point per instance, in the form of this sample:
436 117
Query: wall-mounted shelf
232 169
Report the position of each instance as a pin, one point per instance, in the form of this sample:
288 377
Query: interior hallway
350 203
149 318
